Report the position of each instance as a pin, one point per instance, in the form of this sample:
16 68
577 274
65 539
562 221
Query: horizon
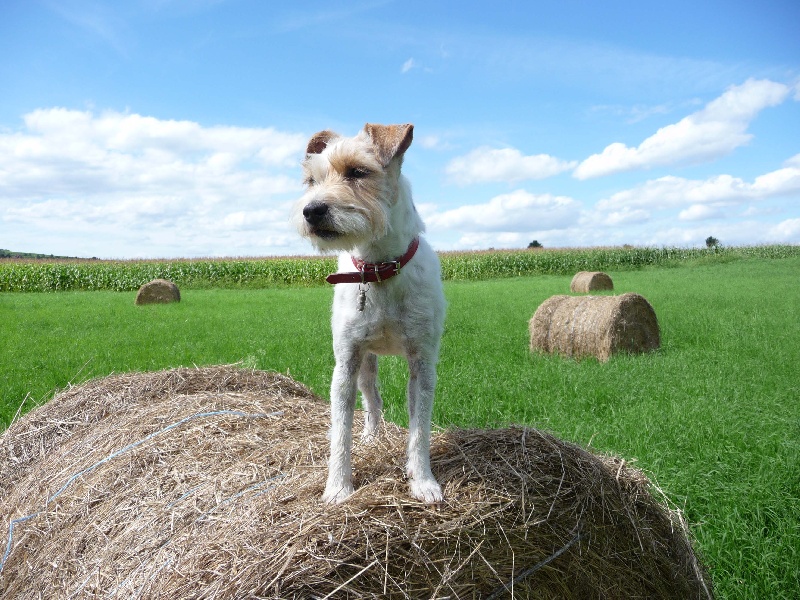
35 256
161 129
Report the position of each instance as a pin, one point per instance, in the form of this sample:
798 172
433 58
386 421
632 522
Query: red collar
375 272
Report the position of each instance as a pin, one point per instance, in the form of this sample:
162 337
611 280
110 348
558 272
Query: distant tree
535 244
712 242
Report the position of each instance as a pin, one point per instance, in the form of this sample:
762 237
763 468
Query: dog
388 296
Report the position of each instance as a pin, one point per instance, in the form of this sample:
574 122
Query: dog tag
362 298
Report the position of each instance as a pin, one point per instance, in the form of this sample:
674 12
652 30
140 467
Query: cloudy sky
175 128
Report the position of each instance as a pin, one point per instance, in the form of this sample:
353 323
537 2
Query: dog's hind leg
370 396
421 386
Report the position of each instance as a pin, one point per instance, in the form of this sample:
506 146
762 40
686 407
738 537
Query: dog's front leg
343 401
370 397
421 386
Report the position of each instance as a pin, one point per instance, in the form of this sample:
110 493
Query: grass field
713 417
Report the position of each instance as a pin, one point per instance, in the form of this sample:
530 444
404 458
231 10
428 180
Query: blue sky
160 128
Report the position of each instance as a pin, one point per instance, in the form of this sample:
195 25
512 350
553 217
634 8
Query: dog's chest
381 331
385 340
382 327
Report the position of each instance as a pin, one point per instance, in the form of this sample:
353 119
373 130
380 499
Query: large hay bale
158 291
590 281
598 326
206 483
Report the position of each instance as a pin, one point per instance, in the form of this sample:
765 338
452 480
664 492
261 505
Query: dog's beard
343 231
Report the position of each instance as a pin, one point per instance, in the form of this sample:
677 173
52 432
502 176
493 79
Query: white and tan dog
388 298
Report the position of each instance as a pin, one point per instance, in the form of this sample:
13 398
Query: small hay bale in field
590 281
599 326
206 483
158 291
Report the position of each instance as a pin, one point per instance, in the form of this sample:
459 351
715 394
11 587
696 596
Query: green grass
55 339
713 417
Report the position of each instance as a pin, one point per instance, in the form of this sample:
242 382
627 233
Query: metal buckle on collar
378 268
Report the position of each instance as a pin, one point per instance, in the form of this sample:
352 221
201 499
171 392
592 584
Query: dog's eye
356 173
309 181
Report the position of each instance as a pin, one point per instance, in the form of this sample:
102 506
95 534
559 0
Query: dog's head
350 185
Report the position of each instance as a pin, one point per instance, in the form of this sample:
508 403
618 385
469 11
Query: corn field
48 275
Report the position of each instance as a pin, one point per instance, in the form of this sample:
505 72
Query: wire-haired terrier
388 298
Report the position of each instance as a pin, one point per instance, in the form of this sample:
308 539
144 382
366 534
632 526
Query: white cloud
782 181
432 142
786 231
626 216
729 233
692 236
78 152
518 211
408 65
483 241
761 211
677 192
504 164
700 212
262 220
714 131
499 241
106 174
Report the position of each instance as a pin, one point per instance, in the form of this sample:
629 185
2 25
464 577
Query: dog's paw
369 436
336 494
426 490
372 425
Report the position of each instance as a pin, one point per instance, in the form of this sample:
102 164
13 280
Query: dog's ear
319 141
390 140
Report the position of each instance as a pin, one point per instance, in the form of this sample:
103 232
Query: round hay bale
590 281
599 326
158 291
206 483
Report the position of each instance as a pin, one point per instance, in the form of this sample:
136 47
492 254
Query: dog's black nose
314 212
